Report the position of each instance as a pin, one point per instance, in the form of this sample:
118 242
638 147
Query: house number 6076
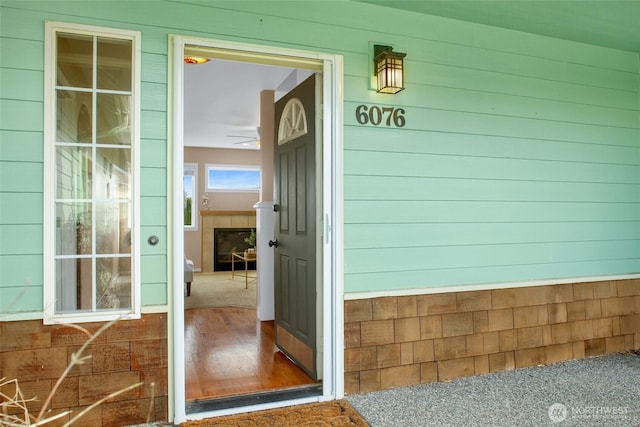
379 115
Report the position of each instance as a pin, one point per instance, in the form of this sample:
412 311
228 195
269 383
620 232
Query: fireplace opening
227 241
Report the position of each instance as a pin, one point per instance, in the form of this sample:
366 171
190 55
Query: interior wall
218 201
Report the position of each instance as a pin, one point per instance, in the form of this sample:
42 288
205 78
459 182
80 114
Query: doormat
337 413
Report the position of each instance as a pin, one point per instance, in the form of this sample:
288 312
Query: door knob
273 243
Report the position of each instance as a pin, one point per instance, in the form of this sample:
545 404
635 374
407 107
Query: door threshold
236 401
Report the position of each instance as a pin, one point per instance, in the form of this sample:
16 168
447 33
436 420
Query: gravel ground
598 391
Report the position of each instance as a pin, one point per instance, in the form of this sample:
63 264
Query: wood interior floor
229 352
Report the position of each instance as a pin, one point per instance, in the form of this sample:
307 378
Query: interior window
190 190
233 178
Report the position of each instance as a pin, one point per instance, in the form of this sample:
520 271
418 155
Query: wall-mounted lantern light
388 66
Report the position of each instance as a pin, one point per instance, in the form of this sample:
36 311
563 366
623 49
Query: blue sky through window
233 179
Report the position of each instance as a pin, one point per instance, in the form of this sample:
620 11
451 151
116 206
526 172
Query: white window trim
49 285
209 167
192 168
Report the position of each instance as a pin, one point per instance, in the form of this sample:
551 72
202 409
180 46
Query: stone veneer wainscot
408 340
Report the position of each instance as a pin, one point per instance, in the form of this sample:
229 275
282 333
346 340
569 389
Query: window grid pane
93 174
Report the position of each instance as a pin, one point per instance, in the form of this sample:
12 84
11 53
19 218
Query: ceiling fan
246 140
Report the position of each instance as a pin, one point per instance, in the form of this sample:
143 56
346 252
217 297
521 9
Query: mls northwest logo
558 412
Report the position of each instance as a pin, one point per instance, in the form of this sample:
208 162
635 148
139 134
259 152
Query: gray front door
295 225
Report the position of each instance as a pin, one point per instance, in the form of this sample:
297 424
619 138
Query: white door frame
332 222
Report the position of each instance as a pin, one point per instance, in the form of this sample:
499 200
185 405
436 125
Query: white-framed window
91 173
190 193
233 178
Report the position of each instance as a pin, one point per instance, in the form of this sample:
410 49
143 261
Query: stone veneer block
36 389
456 368
628 287
388 355
605 290
352 334
148 354
473 301
352 360
407 329
578 350
385 308
377 332
601 328
530 357
533 295
474 344
450 348
481 364
618 306
351 382
457 324
480 321
358 310
436 304
407 306
583 291
594 347
33 365
530 337
615 344
147 327
430 327
592 309
406 353
400 376
64 335
503 298
530 316
581 330
558 353
110 357
508 340
369 381
491 342
125 413
67 394
502 362
368 358
423 351
95 387
25 335
630 324
500 319
428 372
557 313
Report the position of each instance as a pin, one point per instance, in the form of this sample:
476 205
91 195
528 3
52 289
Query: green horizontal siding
519 160
426 259
21 146
391 189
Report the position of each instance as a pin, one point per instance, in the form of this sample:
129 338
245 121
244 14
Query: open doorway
208 336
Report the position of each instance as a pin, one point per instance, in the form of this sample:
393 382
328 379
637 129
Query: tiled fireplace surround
408 340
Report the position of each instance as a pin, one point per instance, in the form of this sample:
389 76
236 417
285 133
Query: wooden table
246 257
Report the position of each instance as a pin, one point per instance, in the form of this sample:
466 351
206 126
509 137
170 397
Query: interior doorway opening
215 376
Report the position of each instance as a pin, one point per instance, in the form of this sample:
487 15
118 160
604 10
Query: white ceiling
222 101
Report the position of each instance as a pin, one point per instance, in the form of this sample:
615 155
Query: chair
188 274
